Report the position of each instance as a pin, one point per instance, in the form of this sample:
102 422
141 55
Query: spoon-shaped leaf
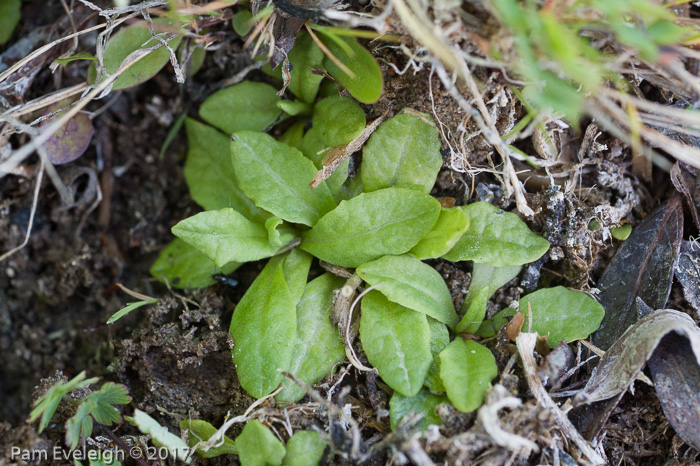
258 446
367 83
264 330
403 151
226 236
318 346
209 173
71 140
126 41
497 238
449 228
466 370
183 266
386 222
396 341
407 281
245 106
277 176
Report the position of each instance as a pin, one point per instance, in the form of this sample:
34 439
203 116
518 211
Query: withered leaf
676 376
669 341
71 140
643 267
688 273
628 356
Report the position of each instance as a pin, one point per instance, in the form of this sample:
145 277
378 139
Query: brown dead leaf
514 327
628 356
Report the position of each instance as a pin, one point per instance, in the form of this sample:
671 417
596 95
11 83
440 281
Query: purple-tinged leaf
643 267
621 364
667 340
71 140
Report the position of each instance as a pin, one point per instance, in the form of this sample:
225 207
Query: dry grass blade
23 152
37 188
526 346
44 101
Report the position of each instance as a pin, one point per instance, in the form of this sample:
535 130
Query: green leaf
128 308
244 106
396 341
560 314
366 84
313 149
110 394
264 330
209 173
172 134
407 281
72 58
488 276
122 44
475 313
305 57
45 406
257 446
371 225
621 233
295 268
318 346
497 238
185 267
279 233
294 107
10 14
423 403
305 448
225 236
200 432
439 339
486 279
243 22
294 135
338 120
466 370
80 424
449 228
403 151
277 178
160 435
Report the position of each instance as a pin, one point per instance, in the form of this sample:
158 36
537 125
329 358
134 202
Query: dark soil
57 293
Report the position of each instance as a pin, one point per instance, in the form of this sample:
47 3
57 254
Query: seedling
99 406
382 222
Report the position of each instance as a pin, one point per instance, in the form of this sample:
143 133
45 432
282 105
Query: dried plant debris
643 267
687 182
677 385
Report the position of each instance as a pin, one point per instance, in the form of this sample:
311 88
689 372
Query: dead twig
338 155
526 346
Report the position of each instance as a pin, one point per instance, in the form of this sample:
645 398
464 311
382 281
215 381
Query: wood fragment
337 155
